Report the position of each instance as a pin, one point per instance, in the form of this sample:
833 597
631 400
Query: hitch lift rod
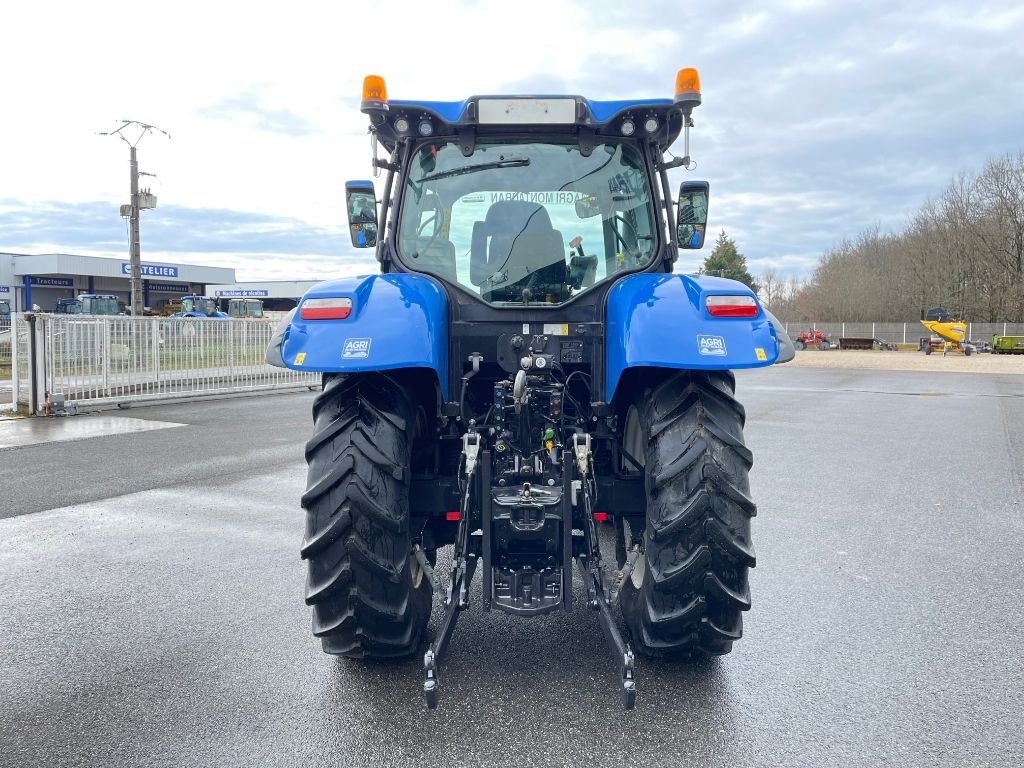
592 570
458 585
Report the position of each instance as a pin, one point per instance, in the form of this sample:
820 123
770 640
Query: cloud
247 108
819 119
258 246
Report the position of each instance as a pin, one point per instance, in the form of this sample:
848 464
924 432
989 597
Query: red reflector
326 309
453 516
731 306
601 517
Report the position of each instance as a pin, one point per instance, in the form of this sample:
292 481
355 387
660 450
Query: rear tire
370 599
799 345
687 593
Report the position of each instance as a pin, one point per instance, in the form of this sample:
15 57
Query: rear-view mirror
588 206
361 203
692 218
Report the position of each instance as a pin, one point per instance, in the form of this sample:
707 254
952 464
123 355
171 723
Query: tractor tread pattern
697 543
357 542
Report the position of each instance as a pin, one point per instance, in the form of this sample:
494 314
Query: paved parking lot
151 611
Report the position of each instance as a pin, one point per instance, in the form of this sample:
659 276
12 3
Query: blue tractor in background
198 306
88 304
526 367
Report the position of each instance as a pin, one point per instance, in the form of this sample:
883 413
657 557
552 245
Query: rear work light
326 309
731 306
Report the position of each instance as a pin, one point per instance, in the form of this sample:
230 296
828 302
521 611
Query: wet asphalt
151 611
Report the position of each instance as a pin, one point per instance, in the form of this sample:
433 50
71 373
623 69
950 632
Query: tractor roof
505 115
591 122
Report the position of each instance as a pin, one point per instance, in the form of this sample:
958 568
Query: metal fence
903 333
6 363
110 360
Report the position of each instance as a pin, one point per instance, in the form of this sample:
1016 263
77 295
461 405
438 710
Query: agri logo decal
356 349
711 345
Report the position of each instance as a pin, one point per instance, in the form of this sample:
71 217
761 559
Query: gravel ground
909 361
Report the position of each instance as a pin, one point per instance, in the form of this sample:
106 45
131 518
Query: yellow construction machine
948 333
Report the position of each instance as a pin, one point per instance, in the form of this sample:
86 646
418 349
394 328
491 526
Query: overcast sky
819 119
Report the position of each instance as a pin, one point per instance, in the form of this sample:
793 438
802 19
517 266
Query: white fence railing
903 333
109 360
8 348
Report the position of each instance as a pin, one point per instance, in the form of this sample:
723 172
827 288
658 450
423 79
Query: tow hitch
526 540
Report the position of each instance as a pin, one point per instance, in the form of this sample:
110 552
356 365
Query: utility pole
133 208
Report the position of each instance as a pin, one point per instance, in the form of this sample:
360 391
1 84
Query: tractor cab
246 308
88 304
93 304
67 307
529 202
198 306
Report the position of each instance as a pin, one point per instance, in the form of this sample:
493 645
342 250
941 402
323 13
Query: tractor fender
786 349
659 320
397 321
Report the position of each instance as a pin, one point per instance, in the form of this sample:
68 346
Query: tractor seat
431 254
515 248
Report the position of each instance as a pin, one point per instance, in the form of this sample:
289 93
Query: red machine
812 338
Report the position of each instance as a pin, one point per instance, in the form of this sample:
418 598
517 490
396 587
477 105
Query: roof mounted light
425 128
402 125
651 124
687 89
628 127
375 94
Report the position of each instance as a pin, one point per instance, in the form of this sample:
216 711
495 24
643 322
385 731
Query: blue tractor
88 304
526 368
198 306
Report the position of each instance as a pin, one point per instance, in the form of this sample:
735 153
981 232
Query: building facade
29 281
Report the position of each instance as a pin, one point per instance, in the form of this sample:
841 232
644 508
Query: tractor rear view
526 367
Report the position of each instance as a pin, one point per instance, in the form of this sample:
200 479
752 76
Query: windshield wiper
512 162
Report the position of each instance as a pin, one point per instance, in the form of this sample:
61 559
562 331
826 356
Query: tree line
962 250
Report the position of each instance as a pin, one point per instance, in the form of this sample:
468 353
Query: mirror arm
675 162
392 168
386 165
672 252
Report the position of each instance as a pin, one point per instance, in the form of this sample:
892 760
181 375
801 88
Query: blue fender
661 321
397 321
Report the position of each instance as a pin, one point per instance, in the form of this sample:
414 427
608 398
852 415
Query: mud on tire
686 596
369 598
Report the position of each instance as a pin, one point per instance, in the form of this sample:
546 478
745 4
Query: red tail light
731 306
326 309
453 516
601 517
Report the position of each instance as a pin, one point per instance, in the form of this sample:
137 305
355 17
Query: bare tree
963 250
